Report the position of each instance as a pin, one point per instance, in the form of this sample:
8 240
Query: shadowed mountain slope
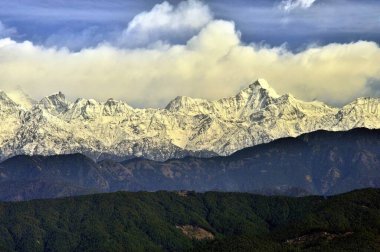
315 163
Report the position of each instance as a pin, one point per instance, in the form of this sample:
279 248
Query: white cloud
6 31
165 22
212 64
288 5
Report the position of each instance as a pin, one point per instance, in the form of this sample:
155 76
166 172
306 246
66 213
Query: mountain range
320 162
185 127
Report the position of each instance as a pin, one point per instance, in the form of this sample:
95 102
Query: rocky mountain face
186 127
314 163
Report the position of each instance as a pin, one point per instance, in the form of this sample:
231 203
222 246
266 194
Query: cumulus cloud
166 23
288 5
212 64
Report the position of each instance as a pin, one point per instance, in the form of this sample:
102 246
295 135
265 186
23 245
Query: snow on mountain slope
21 98
187 126
10 113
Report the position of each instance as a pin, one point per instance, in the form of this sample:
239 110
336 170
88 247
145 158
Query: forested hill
183 221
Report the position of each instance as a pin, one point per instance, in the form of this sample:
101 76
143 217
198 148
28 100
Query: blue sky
148 52
77 24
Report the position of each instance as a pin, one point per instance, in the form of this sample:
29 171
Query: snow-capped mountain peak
21 98
257 95
6 102
263 86
4 96
55 103
188 105
187 126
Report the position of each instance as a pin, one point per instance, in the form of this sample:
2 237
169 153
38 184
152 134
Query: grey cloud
372 87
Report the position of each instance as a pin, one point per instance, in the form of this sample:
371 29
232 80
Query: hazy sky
148 52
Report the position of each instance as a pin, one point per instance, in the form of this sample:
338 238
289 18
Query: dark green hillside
142 221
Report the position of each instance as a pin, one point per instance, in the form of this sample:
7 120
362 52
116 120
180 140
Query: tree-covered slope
142 221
